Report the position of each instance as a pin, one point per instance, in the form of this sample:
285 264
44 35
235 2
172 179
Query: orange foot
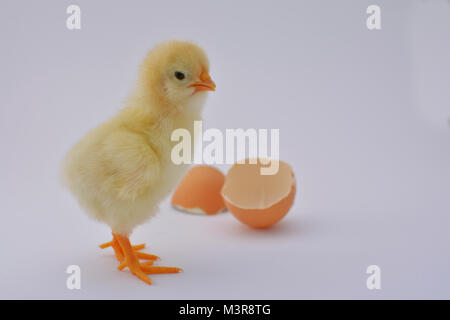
114 243
129 255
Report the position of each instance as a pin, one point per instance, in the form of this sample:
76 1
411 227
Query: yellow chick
121 170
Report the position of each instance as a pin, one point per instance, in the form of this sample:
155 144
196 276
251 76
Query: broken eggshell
258 200
199 191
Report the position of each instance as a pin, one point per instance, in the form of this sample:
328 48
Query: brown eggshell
256 200
199 191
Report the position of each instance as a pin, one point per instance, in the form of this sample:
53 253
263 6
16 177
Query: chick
120 171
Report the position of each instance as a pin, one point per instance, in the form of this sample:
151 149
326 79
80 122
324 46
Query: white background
363 118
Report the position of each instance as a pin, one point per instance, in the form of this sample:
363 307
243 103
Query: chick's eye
179 75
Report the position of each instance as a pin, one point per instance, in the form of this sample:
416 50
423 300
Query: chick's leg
119 253
137 268
117 249
131 258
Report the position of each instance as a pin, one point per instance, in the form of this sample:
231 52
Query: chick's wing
132 165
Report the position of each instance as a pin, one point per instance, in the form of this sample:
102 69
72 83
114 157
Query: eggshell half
199 191
257 200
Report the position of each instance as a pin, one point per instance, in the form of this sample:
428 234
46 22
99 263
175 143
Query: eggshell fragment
257 200
199 191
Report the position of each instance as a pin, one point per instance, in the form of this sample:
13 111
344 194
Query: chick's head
175 72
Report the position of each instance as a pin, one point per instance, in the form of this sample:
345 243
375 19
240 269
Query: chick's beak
204 84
